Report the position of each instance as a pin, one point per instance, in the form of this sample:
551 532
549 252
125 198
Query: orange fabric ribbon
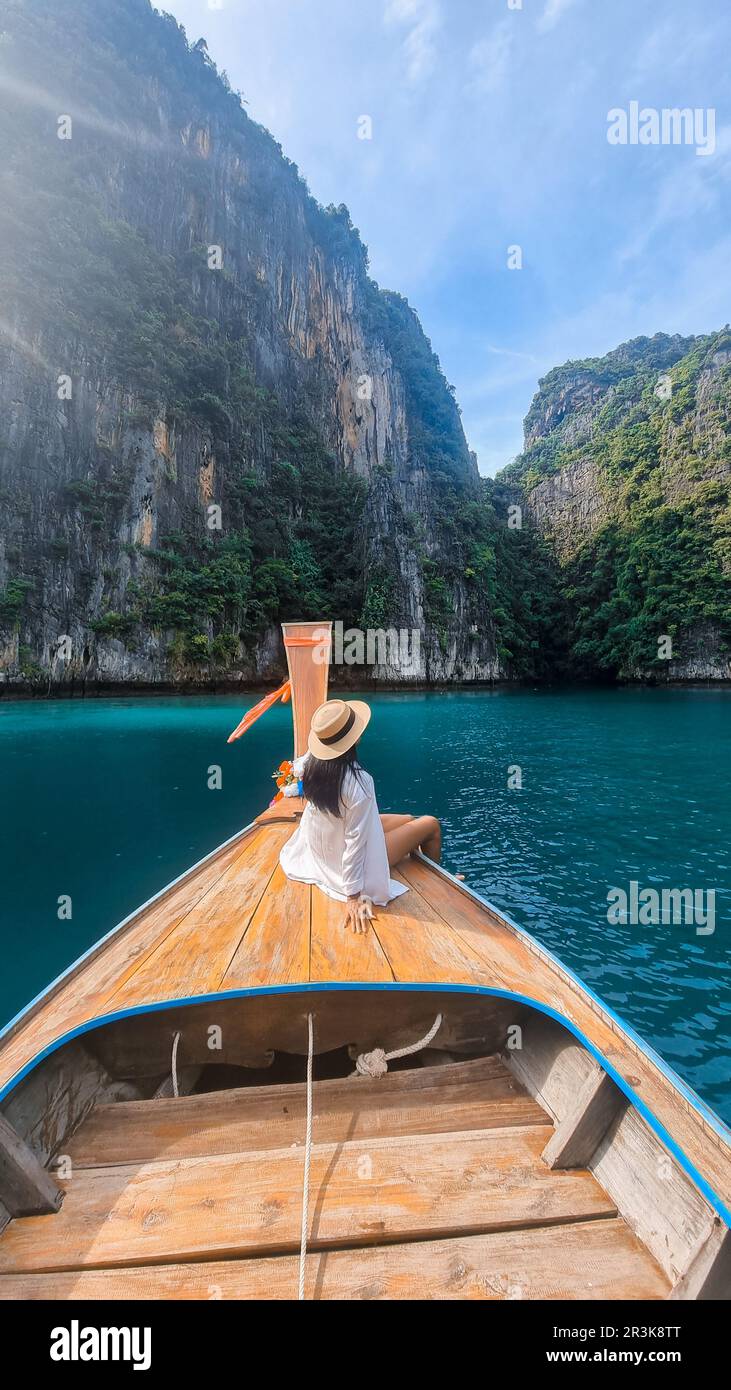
284 693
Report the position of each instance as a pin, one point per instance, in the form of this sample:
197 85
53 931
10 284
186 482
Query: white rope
376 1063
308 1155
174 1065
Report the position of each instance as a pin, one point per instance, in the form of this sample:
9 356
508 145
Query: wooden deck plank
596 1260
268 1117
337 953
163 919
194 958
276 946
289 809
418 1187
508 960
418 948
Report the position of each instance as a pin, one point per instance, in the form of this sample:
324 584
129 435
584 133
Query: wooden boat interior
535 1148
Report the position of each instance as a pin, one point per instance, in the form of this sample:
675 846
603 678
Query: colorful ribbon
284 693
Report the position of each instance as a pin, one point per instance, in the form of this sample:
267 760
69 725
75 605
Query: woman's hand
358 913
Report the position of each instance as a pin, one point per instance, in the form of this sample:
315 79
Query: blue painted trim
325 987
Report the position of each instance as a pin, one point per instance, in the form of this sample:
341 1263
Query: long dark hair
322 779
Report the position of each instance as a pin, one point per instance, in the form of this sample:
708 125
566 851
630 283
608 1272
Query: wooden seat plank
256 1118
417 1187
595 1260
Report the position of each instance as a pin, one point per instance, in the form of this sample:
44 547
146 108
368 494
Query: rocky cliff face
569 505
626 472
212 417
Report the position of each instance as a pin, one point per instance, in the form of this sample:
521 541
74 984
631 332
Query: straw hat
336 726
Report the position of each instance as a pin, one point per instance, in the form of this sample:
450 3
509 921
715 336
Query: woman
342 844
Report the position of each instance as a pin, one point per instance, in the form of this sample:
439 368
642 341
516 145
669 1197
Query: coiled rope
375 1063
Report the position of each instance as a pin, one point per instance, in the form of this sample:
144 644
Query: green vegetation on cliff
653 422
291 545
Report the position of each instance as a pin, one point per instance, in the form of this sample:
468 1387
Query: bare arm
359 910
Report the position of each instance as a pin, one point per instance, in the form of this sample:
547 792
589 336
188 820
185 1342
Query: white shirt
343 855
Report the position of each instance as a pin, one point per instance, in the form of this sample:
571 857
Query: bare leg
391 821
421 832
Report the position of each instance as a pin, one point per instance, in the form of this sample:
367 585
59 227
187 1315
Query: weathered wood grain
708 1273
195 957
596 1260
276 946
361 1192
418 947
474 1096
526 969
585 1123
654 1195
25 1186
661 1204
336 953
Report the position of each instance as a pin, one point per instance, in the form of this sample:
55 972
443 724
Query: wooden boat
535 1148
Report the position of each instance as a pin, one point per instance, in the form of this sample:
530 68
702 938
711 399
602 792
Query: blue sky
490 130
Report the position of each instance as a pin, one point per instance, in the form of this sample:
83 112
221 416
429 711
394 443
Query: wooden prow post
308 659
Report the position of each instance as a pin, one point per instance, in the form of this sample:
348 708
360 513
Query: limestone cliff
186 329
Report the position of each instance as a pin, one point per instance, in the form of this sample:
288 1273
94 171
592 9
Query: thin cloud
510 352
490 58
673 47
423 19
688 193
553 12
514 372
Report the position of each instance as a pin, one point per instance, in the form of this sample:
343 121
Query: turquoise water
107 800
